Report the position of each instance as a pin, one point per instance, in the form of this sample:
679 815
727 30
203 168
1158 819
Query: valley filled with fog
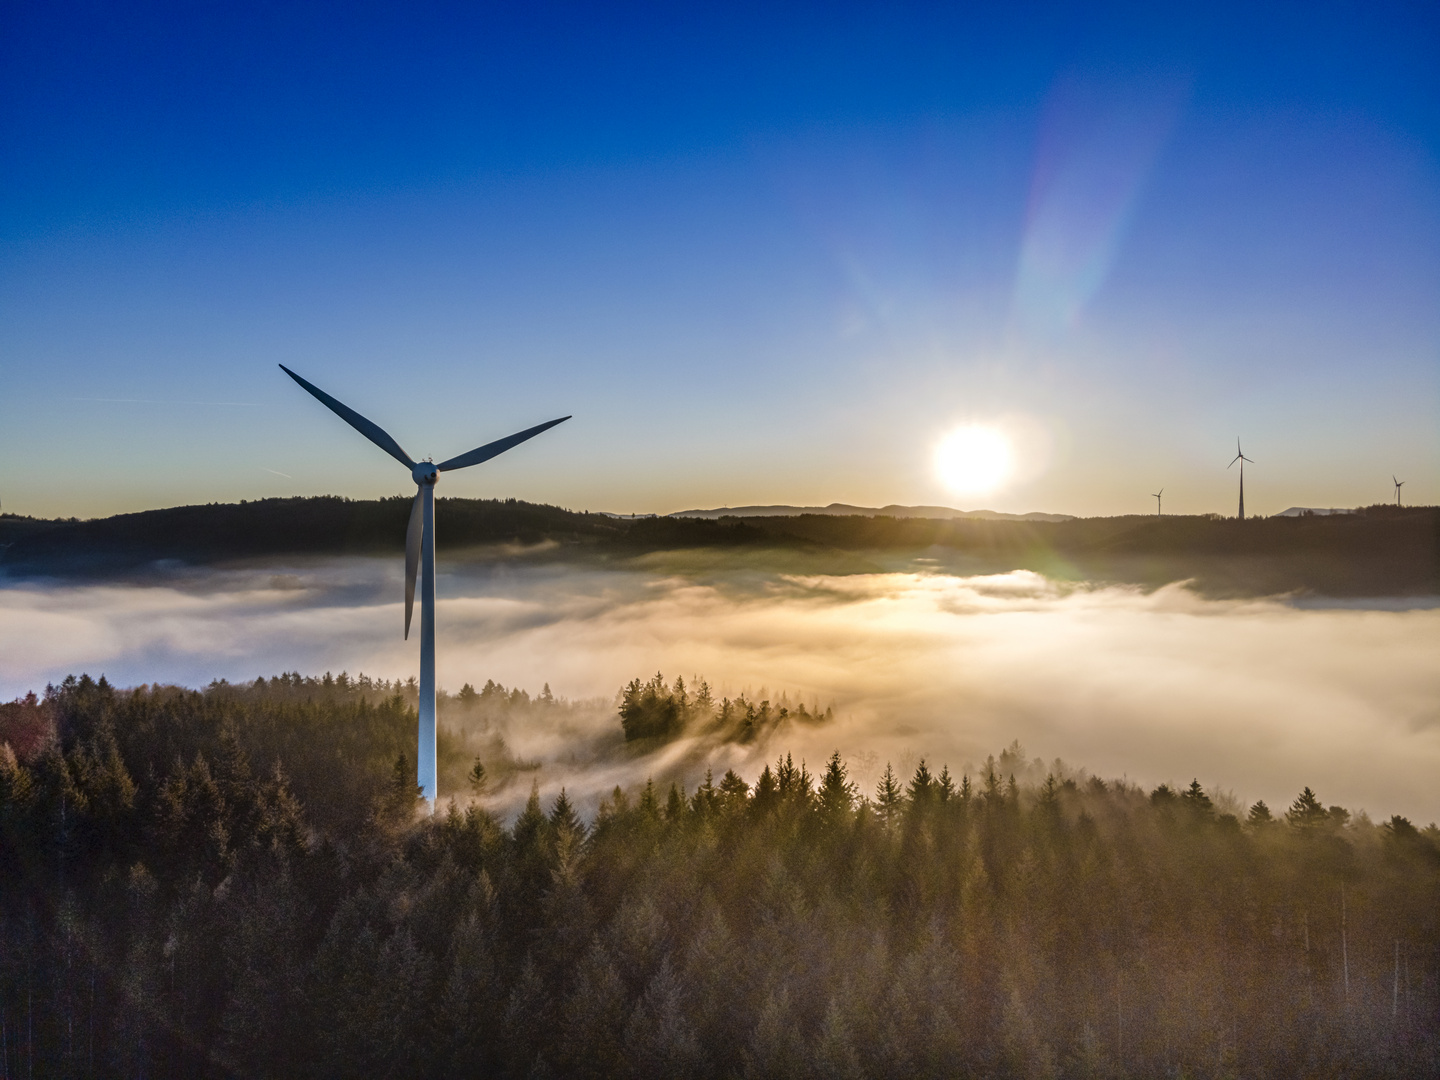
1256 697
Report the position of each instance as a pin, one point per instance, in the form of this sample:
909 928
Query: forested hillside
235 882
1383 550
324 525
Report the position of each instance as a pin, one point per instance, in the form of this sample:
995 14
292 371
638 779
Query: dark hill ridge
1381 550
322 525
895 510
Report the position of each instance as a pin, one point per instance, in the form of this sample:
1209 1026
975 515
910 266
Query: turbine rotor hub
425 473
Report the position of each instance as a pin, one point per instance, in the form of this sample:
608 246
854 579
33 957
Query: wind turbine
420 550
1398 485
1156 496
1240 457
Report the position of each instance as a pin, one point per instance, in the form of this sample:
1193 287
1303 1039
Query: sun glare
973 460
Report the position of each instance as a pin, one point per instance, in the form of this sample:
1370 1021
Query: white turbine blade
372 431
499 446
413 534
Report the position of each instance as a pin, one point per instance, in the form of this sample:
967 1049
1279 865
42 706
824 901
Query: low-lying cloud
1256 696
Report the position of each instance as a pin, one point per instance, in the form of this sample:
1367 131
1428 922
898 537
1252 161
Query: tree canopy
236 882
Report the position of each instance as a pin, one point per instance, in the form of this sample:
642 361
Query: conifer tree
767 792
1197 801
734 792
837 793
649 801
945 789
675 804
563 817
922 787
1306 812
477 778
530 827
889 797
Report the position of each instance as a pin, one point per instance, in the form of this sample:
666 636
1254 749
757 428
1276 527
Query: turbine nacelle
424 473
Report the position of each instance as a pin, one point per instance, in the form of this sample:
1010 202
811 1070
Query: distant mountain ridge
936 513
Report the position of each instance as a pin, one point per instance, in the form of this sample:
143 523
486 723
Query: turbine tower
420 551
1241 458
1398 485
1156 496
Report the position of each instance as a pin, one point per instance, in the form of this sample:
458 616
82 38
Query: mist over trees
653 711
235 882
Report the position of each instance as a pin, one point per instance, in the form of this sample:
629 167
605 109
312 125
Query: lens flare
974 460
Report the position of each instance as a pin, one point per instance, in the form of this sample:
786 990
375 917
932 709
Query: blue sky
763 254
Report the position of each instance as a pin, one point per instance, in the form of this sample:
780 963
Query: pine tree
675 805
946 790
478 780
563 817
660 1041
405 792
837 793
530 827
734 792
1197 801
767 792
1306 812
922 787
889 797
649 801
706 799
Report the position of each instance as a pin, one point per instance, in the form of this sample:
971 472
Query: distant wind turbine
420 549
1398 485
1156 497
1240 457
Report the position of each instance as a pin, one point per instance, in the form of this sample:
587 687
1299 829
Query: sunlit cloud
1097 145
1258 696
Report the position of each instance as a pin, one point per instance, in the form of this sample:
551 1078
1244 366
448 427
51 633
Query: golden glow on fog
974 460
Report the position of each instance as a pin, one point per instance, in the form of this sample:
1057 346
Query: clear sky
768 253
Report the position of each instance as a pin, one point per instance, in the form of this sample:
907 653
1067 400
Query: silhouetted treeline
654 710
185 895
1383 550
323 525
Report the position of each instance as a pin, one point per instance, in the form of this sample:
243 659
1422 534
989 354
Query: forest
1382 550
239 881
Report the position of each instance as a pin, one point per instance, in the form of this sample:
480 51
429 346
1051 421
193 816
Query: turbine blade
372 431
414 533
1232 461
499 446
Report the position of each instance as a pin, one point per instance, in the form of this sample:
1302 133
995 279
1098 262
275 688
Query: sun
974 460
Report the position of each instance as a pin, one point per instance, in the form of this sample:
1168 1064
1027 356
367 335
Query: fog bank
1259 697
